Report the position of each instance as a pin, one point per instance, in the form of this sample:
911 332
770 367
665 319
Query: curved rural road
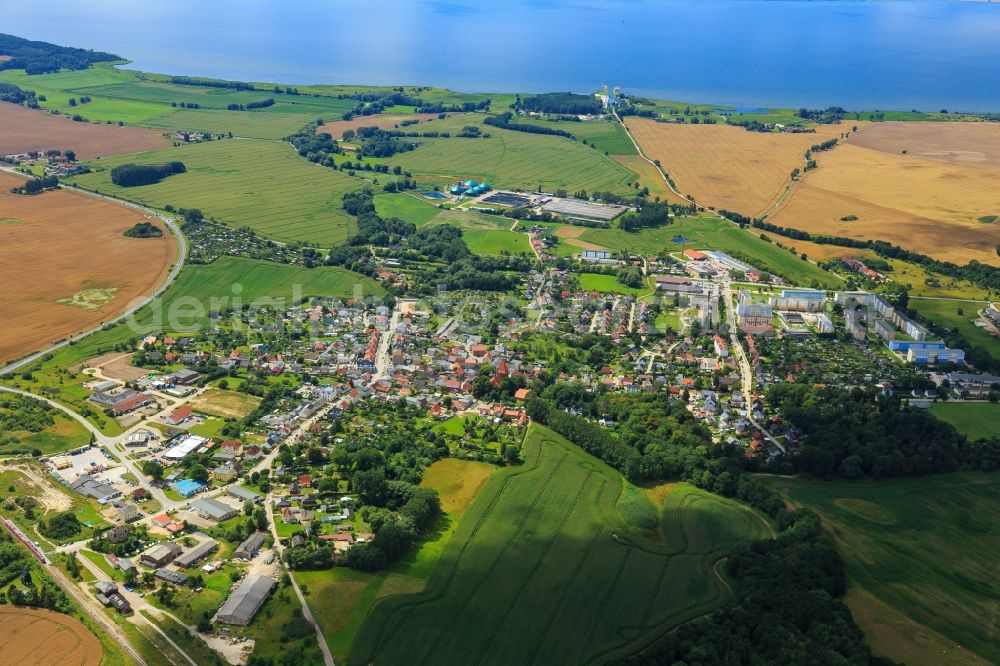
174 272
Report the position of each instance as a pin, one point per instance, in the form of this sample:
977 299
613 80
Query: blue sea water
898 54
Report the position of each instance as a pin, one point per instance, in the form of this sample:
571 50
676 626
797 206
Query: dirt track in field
36 637
725 166
23 130
57 244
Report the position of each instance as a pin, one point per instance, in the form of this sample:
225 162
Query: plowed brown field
966 144
35 637
337 128
23 130
726 166
921 204
57 244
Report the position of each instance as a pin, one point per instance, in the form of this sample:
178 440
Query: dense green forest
132 175
859 432
566 103
42 57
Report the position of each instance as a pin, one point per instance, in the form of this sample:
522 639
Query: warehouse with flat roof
213 509
245 601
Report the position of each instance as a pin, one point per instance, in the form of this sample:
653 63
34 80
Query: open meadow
926 205
263 185
922 551
249 279
607 136
60 87
66 265
609 284
727 167
226 404
546 554
24 130
409 207
256 125
947 314
975 420
37 637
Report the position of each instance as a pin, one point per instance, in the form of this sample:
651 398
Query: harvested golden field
969 144
920 204
35 637
726 166
337 128
23 130
56 245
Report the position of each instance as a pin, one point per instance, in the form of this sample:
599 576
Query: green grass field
406 207
515 160
206 97
496 242
256 125
975 420
134 98
607 136
468 220
711 233
544 568
267 280
925 548
59 87
946 314
608 284
263 185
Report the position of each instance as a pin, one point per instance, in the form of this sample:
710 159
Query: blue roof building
187 487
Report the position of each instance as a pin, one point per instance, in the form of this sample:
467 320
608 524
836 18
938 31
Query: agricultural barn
245 601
